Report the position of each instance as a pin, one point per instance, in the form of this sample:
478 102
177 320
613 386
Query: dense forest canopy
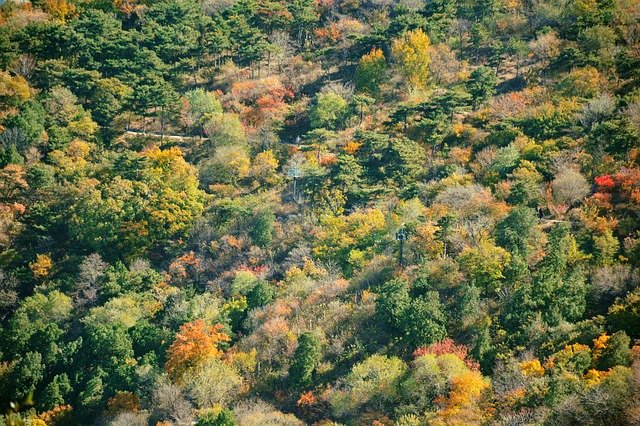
329 212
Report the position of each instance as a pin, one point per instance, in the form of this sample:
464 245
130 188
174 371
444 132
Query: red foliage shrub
447 346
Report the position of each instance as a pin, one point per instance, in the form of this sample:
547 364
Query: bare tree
169 403
8 293
24 65
91 270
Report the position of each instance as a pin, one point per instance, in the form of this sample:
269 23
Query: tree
484 264
370 383
223 418
371 71
516 231
615 352
264 168
194 344
55 393
216 382
251 44
304 19
224 129
112 219
199 107
230 164
108 100
570 187
329 111
411 53
109 351
26 375
35 315
482 85
305 360
424 321
262 229
13 91
392 303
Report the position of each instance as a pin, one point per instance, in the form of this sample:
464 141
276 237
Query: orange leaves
123 402
307 398
57 414
605 183
260 100
12 182
195 343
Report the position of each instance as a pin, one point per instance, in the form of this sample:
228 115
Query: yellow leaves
245 362
14 90
461 407
599 344
411 52
352 147
582 82
532 368
60 9
593 377
353 231
375 56
485 263
84 126
264 168
466 388
78 150
425 240
41 267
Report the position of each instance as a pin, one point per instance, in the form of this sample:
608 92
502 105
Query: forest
319 212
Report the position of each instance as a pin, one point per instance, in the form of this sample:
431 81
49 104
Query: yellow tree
411 53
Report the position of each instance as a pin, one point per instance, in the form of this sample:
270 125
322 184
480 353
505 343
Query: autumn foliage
194 343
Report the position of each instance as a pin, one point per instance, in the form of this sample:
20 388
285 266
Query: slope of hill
358 212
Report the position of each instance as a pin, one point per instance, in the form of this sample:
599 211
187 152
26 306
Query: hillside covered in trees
322 212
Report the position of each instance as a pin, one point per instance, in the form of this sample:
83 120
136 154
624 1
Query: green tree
371 71
423 323
329 111
616 352
262 229
55 393
516 231
201 106
482 85
305 360
392 303
370 383
27 375
304 19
